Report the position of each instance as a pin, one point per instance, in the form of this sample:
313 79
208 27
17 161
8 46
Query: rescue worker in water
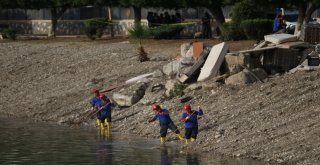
165 123
190 119
104 112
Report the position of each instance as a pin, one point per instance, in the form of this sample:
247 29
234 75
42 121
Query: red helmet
102 96
155 107
187 107
94 90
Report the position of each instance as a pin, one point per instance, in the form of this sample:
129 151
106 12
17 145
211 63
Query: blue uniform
105 112
94 100
165 122
192 122
163 116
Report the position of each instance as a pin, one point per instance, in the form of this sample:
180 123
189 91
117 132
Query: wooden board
294 44
212 65
135 79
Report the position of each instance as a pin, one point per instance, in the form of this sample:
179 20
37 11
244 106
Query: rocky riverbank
275 121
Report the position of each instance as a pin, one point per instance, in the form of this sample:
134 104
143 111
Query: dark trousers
164 129
191 133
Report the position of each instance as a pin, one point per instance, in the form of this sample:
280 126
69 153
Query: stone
187 61
170 86
157 74
189 52
193 87
184 49
172 68
245 77
130 95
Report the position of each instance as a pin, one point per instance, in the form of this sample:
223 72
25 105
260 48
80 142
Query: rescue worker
165 123
190 119
104 112
95 98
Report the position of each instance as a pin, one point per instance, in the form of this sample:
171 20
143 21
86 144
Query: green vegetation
9 33
94 27
140 32
168 31
256 28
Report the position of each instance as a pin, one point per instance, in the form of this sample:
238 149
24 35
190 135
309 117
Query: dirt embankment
276 121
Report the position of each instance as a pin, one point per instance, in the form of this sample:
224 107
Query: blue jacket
163 116
192 122
106 108
94 100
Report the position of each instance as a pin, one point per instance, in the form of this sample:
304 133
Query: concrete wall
76 27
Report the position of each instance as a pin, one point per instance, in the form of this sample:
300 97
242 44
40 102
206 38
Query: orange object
197 49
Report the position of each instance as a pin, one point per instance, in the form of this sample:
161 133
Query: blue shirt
106 108
94 100
163 117
192 122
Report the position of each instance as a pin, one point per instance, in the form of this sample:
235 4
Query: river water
28 143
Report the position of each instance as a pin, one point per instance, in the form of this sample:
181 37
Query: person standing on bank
165 123
190 119
206 26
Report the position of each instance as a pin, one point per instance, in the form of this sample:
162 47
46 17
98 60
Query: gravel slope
275 121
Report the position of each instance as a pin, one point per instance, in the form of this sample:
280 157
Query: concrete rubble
279 53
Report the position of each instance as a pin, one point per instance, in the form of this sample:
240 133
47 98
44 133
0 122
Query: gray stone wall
76 27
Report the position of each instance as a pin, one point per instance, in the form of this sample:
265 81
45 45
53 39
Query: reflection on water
27 143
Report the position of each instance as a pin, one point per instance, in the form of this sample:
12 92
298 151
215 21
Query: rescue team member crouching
190 119
104 112
165 123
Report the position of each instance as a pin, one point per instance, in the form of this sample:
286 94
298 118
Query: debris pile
199 64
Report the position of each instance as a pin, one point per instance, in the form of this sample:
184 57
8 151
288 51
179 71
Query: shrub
256 28
9 33
94 27
243 10
177 91
231 31
140 32
168 31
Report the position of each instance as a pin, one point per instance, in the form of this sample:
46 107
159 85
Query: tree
56 7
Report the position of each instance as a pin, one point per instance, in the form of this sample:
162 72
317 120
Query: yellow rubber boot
108 128
162 140
193 139
188 141
180 136
99 123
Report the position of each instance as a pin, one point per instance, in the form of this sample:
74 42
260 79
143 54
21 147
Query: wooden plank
260 45
256 50
293 44
212 65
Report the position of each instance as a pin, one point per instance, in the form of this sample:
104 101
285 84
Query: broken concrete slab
233 61
184 49
172 68
195 69
245 77
215 58
129 96
280 38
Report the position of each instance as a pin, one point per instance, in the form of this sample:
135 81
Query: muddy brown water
27 143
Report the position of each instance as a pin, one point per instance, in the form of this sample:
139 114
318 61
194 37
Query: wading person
190 119
104 112
165 123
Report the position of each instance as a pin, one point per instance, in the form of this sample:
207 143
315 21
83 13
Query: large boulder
130 95
172 68
184 49
174 88
246 77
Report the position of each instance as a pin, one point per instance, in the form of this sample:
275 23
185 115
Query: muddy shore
276 121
